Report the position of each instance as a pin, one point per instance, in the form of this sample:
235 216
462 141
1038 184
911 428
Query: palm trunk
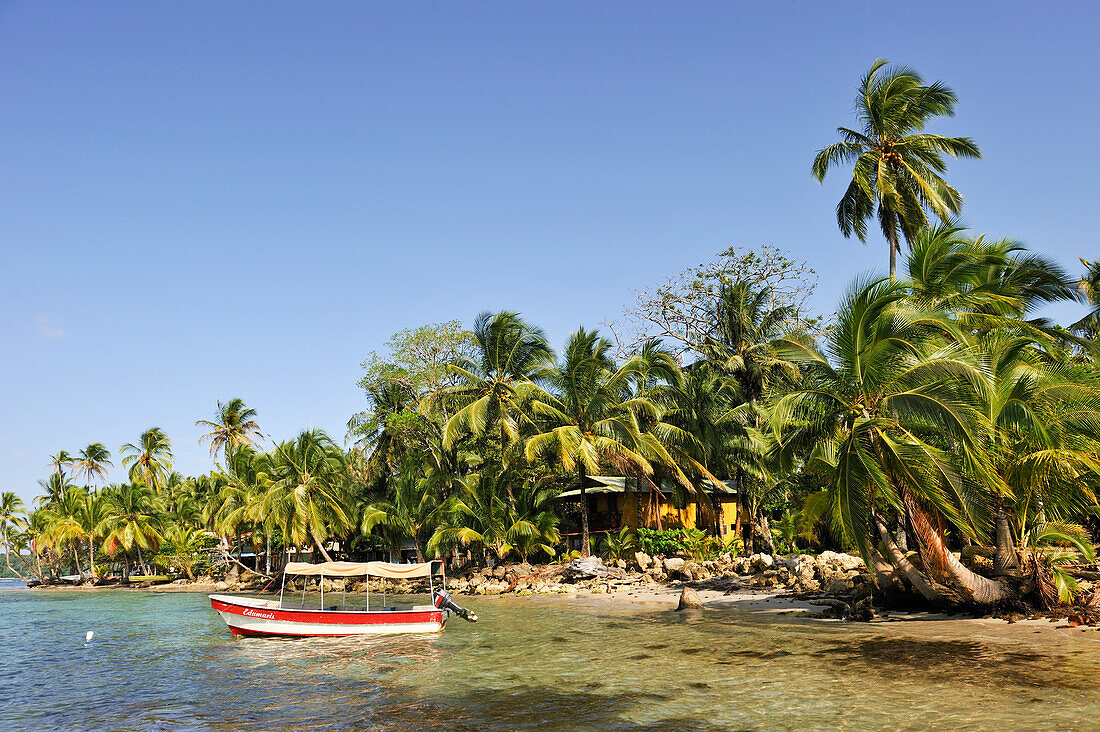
939 560
885 575
763 528
91 557
899 533
7 559
1005 560
919 581
267 553
317 543
744 515
586 547
892 239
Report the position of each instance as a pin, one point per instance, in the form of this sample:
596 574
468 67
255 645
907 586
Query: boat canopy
358 569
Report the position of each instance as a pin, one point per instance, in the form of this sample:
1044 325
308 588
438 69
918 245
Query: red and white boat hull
250 616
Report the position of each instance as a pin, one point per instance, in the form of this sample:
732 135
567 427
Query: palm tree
744 346
62 525
93 463
58 463
54 489
233 426
898 167
308 498
511 355
133 521
92 516
479 515
895 422
1089 287
410 512
587 418
149 461
983 285
12 520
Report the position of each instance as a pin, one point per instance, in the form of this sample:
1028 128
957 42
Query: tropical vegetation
936 425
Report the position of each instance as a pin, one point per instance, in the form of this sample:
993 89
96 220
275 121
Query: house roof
604 484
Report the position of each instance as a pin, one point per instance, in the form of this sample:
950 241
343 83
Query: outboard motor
444 602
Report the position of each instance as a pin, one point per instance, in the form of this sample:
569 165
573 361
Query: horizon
202 203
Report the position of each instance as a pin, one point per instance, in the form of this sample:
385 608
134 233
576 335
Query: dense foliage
933 420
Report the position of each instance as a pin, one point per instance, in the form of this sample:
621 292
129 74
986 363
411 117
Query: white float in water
89 636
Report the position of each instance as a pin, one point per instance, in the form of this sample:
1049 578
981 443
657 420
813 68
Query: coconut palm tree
479 515
12 520
308 498
586 418
983 285
1045 440
744 347
59 462
898 168
890 406
54 488
150 460
93 462
62 525
1089 288
411 511
92 516
134 521
511 355
233 426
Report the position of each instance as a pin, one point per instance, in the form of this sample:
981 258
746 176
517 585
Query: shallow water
165 661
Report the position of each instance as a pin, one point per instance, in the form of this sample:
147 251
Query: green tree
308 498
12 521
587 417
511 354
234 425
890 414
93 462
134 521
1089 287
898 168
150 460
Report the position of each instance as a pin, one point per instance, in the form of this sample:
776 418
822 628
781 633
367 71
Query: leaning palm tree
894 420
150 460
93 462
12 521
587 418
308 496
898 168
233 426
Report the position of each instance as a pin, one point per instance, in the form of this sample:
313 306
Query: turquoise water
164 661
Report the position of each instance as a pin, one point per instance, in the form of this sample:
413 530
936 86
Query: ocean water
165 661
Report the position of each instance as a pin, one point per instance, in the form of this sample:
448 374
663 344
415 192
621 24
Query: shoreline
762 604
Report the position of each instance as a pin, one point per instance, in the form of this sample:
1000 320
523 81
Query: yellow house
616 501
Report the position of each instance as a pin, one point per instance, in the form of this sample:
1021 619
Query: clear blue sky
207 200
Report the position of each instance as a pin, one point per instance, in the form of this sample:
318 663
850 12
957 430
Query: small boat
248 616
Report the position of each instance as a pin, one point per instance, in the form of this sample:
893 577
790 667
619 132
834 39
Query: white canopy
356 569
